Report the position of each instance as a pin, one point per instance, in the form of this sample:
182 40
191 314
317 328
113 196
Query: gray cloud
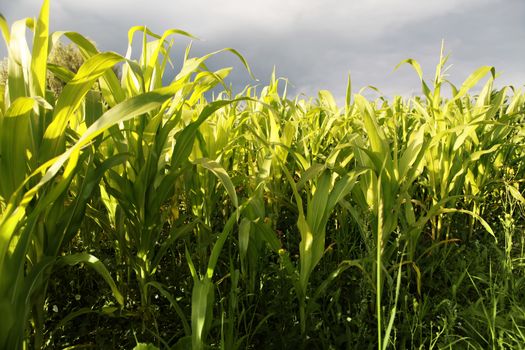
316 43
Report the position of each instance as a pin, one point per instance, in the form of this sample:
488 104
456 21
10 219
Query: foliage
140 214
65 56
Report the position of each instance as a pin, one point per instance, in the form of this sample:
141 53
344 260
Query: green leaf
472 80
18 60
222 175
144 346
40 50
71 98
98 266
374 132
153 59
475 216
417 67
174 304
217 247
244 237
186 138
515 193
14 145
201 311
4 27
348 96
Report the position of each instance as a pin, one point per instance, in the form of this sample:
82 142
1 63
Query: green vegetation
138 212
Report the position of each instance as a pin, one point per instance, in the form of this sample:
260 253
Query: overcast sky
315 43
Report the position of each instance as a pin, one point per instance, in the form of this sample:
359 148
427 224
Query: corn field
137 212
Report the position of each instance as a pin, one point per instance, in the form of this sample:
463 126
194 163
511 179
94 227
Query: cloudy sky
315 43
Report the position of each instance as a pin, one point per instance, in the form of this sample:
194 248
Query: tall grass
256 214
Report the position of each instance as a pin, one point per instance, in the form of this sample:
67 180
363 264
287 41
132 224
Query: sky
315 44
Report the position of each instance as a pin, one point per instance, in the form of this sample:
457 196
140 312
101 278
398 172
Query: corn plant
325 185
33 231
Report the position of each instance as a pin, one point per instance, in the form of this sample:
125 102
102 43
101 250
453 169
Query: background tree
67 56
3 71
